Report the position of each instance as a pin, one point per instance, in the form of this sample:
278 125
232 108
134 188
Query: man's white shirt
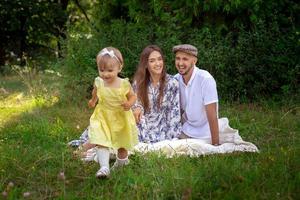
200 91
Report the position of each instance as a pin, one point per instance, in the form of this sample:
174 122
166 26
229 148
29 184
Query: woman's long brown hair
142 78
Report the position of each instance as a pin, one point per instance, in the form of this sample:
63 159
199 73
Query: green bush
262 63
250 48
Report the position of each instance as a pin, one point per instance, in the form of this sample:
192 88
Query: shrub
250 48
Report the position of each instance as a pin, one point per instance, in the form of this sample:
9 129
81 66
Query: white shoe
119 163
103 172
89 155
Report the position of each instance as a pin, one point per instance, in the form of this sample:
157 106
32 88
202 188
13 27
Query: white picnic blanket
230 141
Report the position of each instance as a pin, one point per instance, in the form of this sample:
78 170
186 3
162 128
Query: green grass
36 125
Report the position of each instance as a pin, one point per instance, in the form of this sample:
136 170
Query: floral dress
163 123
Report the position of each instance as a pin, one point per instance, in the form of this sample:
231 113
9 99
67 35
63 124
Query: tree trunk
2 56
22 37
61 30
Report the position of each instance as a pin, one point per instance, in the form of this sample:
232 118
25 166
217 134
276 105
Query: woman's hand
137 114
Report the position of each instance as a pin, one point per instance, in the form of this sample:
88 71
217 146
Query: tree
26 24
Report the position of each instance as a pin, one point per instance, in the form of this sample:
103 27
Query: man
198 96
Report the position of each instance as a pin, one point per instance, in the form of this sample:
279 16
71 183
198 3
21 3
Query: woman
156 111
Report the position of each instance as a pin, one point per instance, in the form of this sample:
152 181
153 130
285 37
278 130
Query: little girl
112 124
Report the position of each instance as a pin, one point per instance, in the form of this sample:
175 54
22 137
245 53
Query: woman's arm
174 116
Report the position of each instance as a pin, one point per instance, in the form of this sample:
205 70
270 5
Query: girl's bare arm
93 100
131 98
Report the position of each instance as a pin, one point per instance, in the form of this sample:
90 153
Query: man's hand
137 114
183 118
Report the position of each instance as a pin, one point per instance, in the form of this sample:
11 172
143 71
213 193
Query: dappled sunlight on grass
15 104
35 128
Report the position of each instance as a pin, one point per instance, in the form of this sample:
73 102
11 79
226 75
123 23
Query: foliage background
250 47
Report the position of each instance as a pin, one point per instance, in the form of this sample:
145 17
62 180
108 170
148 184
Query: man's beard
187 71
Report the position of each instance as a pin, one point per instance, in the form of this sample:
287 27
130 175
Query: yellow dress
110 125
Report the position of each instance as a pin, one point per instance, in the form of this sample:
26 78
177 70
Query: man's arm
211 112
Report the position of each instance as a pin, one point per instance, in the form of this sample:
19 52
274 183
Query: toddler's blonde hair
103 60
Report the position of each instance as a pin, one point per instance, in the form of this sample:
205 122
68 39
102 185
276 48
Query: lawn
37 121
